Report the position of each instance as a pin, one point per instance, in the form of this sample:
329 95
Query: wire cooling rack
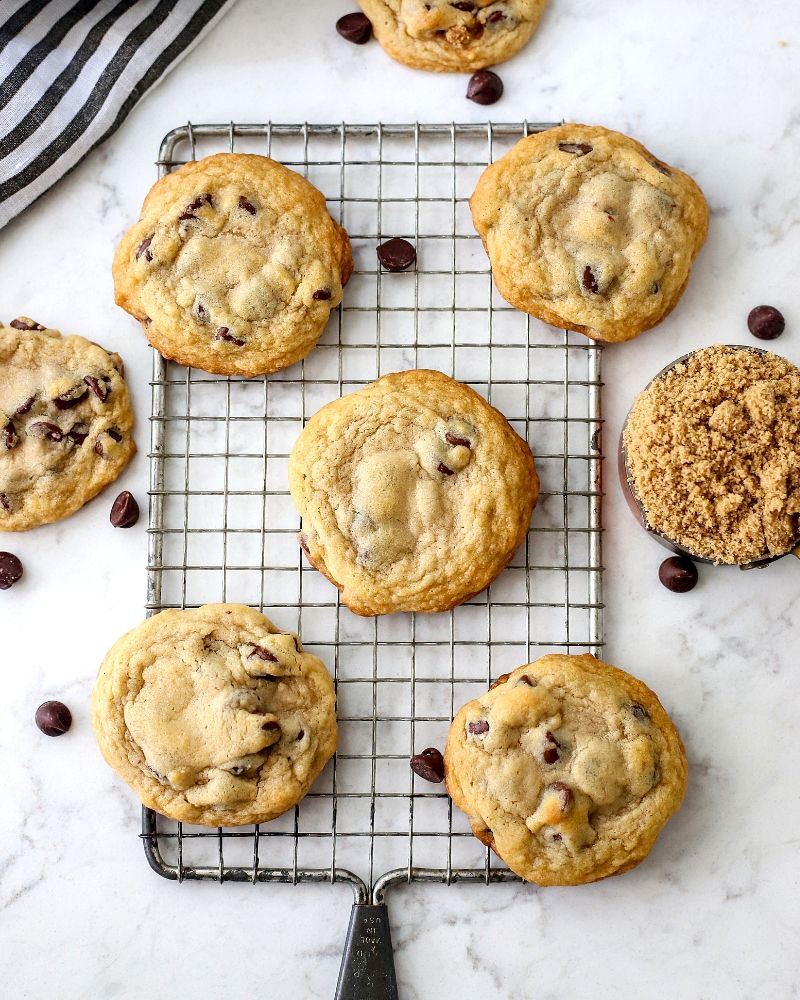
222 525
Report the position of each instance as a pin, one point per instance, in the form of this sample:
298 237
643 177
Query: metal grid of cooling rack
222 525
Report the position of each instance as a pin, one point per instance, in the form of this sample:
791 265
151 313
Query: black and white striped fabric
71 71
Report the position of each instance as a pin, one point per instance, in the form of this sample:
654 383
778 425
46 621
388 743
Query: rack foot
367 971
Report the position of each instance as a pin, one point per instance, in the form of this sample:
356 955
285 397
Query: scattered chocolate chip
23 408
5 503
396 254
524 679
78 434
43 428
765 322
144 248
71 397
223 333
237 771
114 434
428 765
25 323
640 713
551 755
495 17
203 199
321 295
466 5
484 87
589 280
263 654
556 836
355 28
456 441
10 437
99 386
476 728
10 570
552 738
53 718
576 148
441 467
269 727
201 312
185 216
662 168
248 206
678 574
566 794
124 511
300 735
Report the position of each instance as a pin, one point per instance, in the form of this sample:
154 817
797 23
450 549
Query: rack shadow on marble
222 526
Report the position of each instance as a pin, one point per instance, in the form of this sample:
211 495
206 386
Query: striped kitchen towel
71 71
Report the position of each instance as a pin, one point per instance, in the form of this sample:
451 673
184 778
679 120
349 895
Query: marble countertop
712 913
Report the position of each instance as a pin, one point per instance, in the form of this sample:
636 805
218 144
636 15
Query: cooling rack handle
367 971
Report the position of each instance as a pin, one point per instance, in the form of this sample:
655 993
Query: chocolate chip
114 434
23 408
10 570
201 312
5 503
77 434
566 794
248 206
464 5
441 467
43 428
639 713
124 511
556 836
144 248
25 323
654 288
551 755
662 168
576 148
269 727
396 254
224 333
428 765
321 295
203 199
184 216
551 738
524 679
99 386
476 728
678 574
589 280
456 441
495 17
10 436
484 87
53 718
71 397
355 28
765 322
263 654
300 735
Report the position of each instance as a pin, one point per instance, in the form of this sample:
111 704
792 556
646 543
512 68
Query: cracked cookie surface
414 493
451 35
587 230
214 716
568 768
234 266
65 423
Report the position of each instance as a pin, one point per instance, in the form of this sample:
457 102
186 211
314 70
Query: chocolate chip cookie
587 230
234 266
446 36
567 768
65 423
214 715
414 493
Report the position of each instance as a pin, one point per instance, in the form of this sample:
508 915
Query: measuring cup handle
367 971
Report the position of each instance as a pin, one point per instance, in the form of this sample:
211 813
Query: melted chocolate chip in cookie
224 333
144 248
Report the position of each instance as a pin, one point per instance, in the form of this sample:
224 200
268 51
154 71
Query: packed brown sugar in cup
713 453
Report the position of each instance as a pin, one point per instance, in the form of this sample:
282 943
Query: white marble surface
710 86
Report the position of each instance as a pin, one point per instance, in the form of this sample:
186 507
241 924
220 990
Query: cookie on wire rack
214 716
414 493
234 266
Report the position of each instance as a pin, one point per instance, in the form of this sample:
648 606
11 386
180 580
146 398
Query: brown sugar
713 454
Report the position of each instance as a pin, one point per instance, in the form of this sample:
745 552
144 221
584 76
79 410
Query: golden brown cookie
65 423
447 36
414 493
214 716
587 230
712 454
567 768
234 266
